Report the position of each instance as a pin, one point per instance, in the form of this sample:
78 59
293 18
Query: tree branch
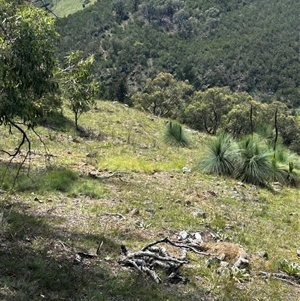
24 140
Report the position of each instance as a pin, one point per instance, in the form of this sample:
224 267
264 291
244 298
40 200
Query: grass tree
175 135
221 156
267 135
287 164
257 164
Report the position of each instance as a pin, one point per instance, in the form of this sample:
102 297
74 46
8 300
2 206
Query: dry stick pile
151 257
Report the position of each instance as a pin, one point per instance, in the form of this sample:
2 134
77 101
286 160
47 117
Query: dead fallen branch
80 256
151 254
150 258
295 281
97 175
156 262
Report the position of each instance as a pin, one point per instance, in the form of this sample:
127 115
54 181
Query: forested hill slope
248 45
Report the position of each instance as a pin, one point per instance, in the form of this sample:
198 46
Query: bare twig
115 214
291 282
154 243
141 254
178 245
47 152
99 247
144 269
65 246
86 255
24 140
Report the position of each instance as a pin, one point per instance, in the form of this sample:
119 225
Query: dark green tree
120 89
120 10
135 4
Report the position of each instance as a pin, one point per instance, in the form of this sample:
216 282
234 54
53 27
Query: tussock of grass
60 180
88 188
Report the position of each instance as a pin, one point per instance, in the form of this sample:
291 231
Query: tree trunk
76 120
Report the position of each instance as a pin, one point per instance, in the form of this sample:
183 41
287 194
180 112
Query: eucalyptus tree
208 108
245 116
27 67
164 96
78 84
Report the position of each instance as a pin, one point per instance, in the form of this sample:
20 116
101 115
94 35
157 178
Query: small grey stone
263 254
183 235
36 199
199 213
134 211
197 237
241 263
186 170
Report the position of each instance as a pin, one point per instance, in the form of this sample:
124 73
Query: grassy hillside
64 8
119 183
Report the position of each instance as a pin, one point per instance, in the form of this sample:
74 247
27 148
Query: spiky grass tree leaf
175 135
267 135
284 156
221 157
257 166
287 164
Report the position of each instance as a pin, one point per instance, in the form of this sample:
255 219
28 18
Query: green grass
122 184
63 8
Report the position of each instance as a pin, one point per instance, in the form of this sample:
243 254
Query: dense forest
247 45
